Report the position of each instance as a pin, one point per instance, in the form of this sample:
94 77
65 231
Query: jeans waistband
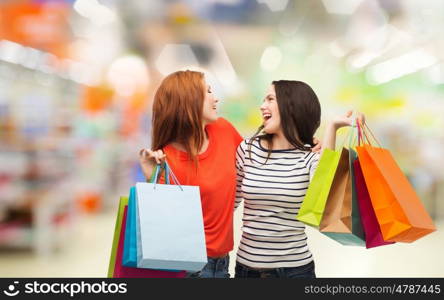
271 270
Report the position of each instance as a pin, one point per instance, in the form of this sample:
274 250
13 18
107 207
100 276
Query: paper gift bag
373 235
400 213
170 229
121 271
313 206
130 243
117 229
341 219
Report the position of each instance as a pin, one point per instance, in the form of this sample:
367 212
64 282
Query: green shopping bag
313 206
117 228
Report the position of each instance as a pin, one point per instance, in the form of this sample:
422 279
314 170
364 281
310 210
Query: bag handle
362 132
348 136
157 173
352 140
168 172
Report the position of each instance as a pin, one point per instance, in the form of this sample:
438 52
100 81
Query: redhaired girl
201 150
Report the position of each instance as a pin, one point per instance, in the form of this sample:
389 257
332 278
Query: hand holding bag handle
157 174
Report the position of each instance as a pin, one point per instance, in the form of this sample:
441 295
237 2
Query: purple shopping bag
129 272
373 234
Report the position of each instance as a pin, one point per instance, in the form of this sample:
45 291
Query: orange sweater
216 178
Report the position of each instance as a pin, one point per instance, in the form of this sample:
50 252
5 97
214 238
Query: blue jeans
306 271
215 268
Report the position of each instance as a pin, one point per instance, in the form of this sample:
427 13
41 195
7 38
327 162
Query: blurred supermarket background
77 79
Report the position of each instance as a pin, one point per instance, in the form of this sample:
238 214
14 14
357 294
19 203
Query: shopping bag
341 220
121 271
312 208
400 213
130 243
373 235
117 229
170 229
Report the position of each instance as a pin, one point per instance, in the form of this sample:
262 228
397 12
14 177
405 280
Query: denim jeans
215 268
306 271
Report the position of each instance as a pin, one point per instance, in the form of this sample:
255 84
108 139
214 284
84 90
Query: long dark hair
300 113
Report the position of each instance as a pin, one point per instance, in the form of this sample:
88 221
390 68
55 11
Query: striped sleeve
312 163
240 159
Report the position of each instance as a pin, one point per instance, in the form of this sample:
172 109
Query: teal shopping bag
170 229
129 258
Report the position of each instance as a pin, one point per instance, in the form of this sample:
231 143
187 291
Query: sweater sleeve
312 163
240 157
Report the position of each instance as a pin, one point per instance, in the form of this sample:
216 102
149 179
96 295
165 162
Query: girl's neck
280 142
204 147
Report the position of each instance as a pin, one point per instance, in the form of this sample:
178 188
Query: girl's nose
263 106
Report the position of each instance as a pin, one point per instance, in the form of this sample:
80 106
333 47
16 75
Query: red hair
177 112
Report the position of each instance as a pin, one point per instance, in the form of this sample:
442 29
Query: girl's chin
268 130
212 119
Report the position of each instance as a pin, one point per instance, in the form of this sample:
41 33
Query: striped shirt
272 192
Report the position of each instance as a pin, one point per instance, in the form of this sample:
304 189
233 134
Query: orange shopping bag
400 213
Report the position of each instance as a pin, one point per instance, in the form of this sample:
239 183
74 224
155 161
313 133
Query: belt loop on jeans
280 272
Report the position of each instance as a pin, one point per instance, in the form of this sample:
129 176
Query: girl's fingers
143 153
161 155
157 155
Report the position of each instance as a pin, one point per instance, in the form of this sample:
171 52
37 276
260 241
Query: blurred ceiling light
341 7
359 61
275 5
400 66
128 74
271 58
174 57
31 58
10 51
377 43
78 72
221 65
48 64
97 13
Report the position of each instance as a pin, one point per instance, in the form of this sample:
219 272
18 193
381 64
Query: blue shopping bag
129 258
169 226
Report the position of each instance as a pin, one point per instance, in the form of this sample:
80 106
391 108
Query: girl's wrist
332 125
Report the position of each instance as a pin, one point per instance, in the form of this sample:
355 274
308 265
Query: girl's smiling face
209 106
270 112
